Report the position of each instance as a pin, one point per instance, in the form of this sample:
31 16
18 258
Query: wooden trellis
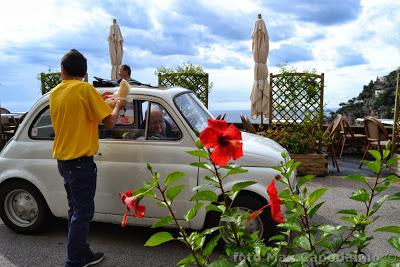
198 83
296 97
49 81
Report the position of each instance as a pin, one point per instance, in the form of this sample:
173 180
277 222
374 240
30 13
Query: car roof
141 90
151 91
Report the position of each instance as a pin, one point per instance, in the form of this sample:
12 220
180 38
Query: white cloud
49 27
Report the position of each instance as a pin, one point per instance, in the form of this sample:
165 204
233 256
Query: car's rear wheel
247 202
23 208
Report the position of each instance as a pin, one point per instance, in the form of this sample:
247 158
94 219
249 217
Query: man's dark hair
74 63
127 68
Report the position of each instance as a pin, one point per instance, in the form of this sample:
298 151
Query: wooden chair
348 137
248 127
377 135
8 124
221 116
330 136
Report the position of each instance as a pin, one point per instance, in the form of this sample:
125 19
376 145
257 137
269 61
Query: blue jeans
80 183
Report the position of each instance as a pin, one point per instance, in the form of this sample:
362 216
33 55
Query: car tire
23 208
250 202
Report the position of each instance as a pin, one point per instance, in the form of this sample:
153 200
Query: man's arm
112 119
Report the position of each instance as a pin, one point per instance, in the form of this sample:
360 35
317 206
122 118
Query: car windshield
193 112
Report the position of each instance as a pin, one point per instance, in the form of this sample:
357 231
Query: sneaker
96 258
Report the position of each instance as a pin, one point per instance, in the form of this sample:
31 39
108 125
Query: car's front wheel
23 208
247 202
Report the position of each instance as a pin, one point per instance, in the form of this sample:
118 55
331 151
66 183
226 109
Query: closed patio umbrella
260 92
115 41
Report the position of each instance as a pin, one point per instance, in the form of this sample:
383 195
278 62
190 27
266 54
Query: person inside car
157 124
124 72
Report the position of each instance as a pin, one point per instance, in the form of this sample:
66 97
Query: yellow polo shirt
76 108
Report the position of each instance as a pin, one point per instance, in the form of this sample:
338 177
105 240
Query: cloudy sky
350 41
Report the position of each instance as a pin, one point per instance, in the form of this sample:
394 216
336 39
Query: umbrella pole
262 120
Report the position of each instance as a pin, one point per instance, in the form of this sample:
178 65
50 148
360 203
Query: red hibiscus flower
226 141
274 204
132 204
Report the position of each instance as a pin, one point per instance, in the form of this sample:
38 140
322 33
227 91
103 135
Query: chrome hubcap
21 208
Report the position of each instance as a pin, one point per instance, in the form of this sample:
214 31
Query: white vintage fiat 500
32 190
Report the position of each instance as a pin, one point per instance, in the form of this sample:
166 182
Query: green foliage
296 138
49 80
189 76
299 243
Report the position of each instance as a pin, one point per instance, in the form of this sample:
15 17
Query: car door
125 150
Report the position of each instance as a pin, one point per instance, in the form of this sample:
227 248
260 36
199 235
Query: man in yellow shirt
76 109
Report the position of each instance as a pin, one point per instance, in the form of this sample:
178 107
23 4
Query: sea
234 115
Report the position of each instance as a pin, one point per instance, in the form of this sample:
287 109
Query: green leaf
236 171
158 238
391 178
290 226
205 195
395 242
302 242
395 196
358 178
314 210
239 186
349 212
198 144
202 165
162 204
383 187
376 154
314 196
305 179
173 177
360 195
389 229
392 161
378 204
173 191
198 153
193 211
164 221
212 207
213 179
375 166
188 261
210 230
386 153
211 245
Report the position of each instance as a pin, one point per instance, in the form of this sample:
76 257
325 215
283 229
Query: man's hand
112 119
120 104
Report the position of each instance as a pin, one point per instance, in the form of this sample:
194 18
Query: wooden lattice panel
49 81
296 97
198 83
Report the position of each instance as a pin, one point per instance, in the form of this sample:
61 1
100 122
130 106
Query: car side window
125 126
160 124
42 128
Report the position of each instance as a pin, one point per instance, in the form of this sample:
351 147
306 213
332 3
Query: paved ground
124 247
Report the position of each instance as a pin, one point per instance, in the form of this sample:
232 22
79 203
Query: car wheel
247 202
23 208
